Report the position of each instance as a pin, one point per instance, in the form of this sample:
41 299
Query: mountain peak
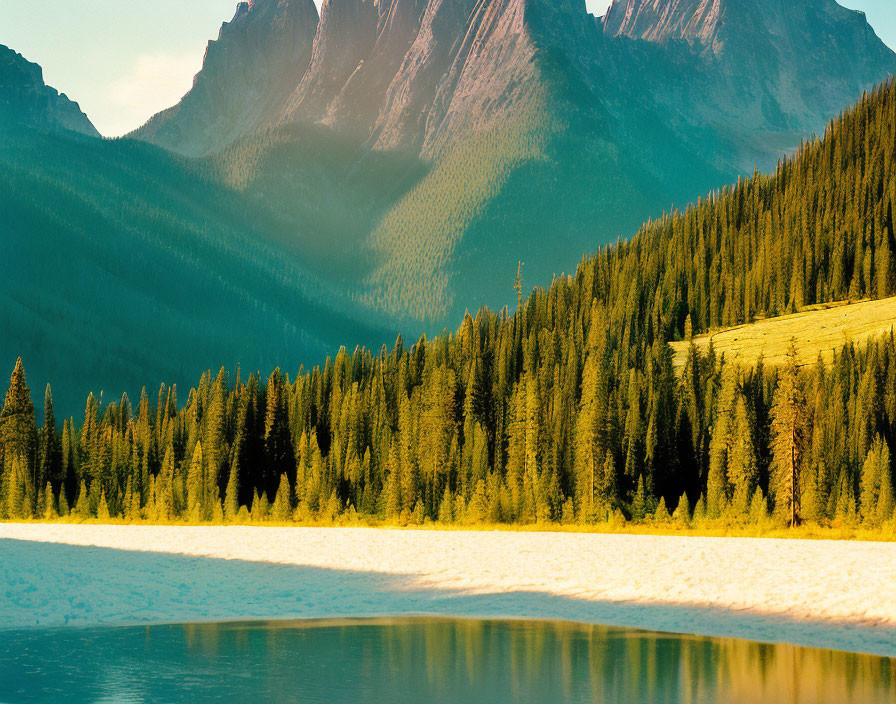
807 58
253 66
715 23
660 20
26 101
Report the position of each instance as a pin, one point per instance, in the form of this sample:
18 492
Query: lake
424 661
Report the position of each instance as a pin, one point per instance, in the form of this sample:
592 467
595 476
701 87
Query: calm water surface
424 662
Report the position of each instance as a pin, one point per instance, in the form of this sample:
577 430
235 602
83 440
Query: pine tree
743 467
196 486
282 509
661 515
63 505
17 445
165 507
213 438
758 508
103 510
588 456
82 507
477 509
49 513
788 439
876 502
50 447
280 457
607 490
446 507
682 513
16 496
231 495
721 446
639 504
394 501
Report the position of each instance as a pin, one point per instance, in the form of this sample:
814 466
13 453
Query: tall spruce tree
788 439
18 439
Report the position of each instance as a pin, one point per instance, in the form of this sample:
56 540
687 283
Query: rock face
410 73
534 130
779 65
659 20
26 101
248 73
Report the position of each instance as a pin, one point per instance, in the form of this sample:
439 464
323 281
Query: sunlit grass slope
817 330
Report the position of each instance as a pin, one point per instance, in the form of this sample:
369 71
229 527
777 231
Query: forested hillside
384 167
124 265
568 410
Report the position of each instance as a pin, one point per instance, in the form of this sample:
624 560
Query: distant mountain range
390 162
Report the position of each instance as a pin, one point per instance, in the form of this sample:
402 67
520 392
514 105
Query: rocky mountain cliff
26 101
538 130
247 75
776 65
412 73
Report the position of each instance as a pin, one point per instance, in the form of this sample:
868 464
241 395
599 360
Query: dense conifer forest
568 410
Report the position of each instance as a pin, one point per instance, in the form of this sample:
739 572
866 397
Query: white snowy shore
839 595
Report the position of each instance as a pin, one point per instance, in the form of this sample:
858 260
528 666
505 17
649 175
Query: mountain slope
570 409
26 101
388 162
820 331
530 129
122 260
784 65
143 270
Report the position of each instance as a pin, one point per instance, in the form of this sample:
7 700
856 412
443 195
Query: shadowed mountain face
26 101
786 66
531 129
123 265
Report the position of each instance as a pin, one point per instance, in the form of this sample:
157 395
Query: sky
125 60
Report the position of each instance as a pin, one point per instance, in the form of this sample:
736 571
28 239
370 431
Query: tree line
567 410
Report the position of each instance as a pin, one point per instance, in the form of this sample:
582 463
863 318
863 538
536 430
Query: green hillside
568 410
123 265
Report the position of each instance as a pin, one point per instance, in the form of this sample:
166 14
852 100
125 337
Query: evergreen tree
17 445
788 439
682 513
49 513
280 458
281 511
876 502
743 466
103 511
196 486
231 495
50 446
82 507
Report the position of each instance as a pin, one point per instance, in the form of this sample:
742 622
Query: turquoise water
424 662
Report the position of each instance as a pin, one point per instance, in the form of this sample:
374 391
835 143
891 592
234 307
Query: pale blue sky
125 60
